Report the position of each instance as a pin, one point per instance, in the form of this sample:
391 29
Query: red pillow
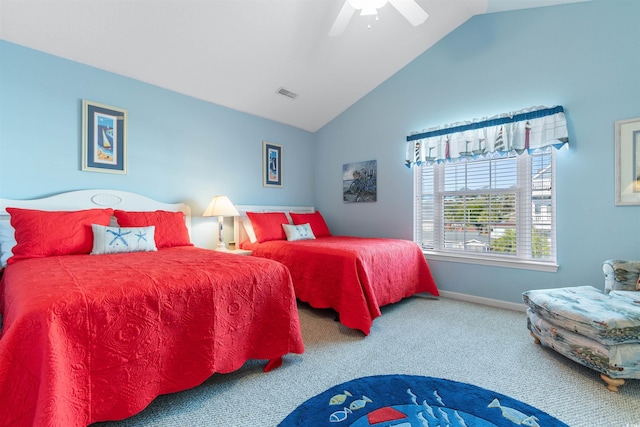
318 226
48 233
170 227
268 225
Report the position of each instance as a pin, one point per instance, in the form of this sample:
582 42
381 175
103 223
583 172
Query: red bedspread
89 338
353 275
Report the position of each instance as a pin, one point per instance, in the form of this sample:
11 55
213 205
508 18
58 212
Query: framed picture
271 164
628 162
104 138
359 182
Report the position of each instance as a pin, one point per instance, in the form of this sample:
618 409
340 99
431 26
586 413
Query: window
485 189
498 210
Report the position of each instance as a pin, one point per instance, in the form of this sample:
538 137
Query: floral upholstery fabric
616 361
621 275
589 312
597 330
634 296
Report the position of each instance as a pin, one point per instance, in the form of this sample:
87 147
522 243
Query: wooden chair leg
612 383
535 338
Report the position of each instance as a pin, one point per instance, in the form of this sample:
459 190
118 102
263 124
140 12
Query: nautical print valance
517 132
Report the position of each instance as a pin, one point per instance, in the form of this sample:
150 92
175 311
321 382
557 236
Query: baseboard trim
484 301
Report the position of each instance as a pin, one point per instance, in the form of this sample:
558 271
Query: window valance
517 132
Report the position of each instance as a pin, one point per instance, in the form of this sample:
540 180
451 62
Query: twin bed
352 275
106 304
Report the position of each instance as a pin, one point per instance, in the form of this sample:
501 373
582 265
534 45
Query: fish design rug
415 401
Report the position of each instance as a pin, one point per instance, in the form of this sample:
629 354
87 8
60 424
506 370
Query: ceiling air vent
282 91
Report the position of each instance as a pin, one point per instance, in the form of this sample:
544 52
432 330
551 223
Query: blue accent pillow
298 232
112 240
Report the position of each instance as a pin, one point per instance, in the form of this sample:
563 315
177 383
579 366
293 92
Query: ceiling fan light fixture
368 11
411 10
367 4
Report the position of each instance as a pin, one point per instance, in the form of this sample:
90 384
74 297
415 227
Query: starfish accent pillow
112 240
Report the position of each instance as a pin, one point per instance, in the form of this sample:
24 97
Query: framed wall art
271 164
104 138
628 162
359 182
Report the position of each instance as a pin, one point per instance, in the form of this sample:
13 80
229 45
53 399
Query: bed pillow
318 225
113 240
298 232
268 225
170 229
248 228
7 241
48 233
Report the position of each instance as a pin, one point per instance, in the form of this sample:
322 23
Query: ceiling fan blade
343 19
410 10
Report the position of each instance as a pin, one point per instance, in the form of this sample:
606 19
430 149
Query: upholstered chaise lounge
600 330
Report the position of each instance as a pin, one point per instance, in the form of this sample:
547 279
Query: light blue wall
584 56
179 148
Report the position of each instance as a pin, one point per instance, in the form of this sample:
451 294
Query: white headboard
239 233
90 199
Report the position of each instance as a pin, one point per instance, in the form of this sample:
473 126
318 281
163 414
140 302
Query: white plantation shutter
485 189
500 209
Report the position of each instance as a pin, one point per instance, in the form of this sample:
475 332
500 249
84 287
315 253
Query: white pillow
248 228
298 232
112 240
7 241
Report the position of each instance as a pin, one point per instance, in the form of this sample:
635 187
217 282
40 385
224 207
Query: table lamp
221 206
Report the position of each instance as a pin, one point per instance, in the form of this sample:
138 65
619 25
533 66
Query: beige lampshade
221 206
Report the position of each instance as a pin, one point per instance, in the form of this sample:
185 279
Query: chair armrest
621 275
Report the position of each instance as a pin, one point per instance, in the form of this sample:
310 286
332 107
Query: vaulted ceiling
240 53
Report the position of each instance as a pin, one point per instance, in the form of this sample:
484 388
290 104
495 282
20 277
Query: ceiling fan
408 8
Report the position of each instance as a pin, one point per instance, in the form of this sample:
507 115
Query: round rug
415 401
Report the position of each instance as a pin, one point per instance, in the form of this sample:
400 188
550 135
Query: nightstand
237 251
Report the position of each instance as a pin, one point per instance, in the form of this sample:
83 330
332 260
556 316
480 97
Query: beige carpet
485 346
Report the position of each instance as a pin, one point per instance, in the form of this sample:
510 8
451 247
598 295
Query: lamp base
220 246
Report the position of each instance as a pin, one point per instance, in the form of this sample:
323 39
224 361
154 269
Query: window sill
491 261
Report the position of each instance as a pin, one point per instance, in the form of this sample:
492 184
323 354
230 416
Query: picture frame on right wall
627 164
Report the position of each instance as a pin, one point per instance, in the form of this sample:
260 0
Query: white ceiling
238 53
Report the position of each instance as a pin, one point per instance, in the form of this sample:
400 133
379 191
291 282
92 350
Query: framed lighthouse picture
104 138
